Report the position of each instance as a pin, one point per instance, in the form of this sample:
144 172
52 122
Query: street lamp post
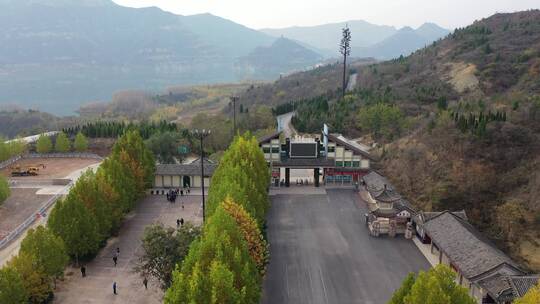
201 134
234 99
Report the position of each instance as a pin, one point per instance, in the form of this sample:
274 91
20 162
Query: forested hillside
324 79
458 124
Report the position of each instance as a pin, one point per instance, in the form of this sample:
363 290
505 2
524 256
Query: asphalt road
321 253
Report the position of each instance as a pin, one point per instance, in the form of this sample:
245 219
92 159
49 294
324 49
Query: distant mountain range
58 54
282 57
368 40
403 42
62 53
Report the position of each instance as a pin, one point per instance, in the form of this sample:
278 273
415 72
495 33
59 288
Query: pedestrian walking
188 190
145 283
177 223
182 205
182 222
117 251
114 287
115 260
83 271
181 192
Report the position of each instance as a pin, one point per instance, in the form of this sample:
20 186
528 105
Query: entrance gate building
333 159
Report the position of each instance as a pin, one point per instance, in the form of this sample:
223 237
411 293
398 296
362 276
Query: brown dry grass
530 251
462 76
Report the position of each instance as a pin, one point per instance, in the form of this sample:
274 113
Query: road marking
310 281
287 280
324 285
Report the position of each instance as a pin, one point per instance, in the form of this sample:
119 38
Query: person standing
145 283
177 223
83 271
114 287
115 260
182 222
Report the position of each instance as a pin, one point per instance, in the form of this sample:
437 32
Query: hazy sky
282 13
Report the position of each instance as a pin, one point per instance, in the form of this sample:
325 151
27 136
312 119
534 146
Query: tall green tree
165 146
436 286
100 199
220 252
12 289
119 175
62 143
5 192
399 295
132 143
164 248
76 225
80 143
222 282
243 176
44 144
35 280
47 249
257 245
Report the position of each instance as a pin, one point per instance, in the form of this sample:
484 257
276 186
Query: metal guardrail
62 155
14 234
10 161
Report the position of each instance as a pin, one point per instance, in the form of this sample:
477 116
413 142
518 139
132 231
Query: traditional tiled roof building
389 212
490 275
183 175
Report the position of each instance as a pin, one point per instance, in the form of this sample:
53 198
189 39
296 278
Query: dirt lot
54 167
18 207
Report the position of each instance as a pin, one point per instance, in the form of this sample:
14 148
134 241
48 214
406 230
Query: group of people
179 222
115 261
115 285
302 181
172 194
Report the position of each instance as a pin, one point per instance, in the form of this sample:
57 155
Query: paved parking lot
321 252
101 273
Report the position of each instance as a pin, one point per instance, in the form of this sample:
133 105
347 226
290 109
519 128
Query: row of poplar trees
80 223
227 263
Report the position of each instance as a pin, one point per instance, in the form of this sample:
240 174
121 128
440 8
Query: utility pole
271 163
345 50
201 134
234 99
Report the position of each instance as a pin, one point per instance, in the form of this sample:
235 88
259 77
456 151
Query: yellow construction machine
31 170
